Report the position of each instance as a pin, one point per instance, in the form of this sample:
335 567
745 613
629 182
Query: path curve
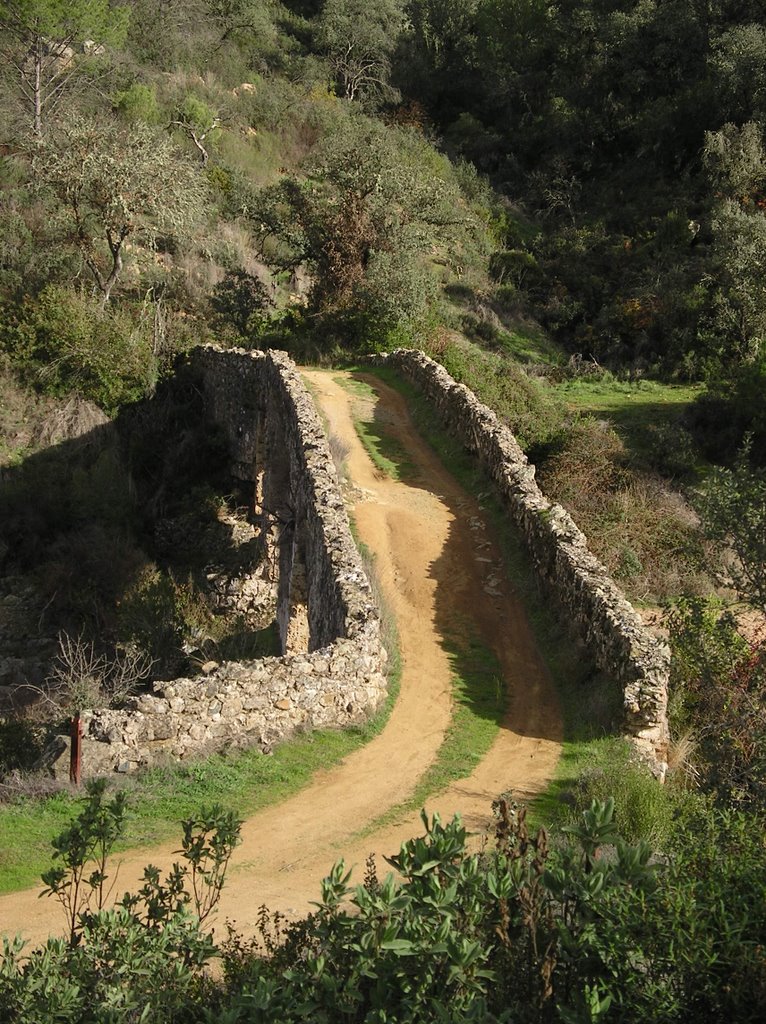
438 569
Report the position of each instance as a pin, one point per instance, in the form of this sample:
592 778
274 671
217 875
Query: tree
735 162
241 301
114 183
359 39
41 37
732 508
234 18
718 695
199 122
377 203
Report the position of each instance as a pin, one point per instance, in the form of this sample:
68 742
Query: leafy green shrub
20 744
673 451
718 690
644 808
533 415
460 939
375 211
240 302
586 930
512 266
589 928
163 616
65 342
713 896
731 408
732 507
100 975
138 103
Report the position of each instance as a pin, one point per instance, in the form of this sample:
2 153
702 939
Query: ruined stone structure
591 602
332 670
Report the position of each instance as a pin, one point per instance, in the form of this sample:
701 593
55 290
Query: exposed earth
440 572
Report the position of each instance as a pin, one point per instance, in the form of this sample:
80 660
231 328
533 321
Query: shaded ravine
438 570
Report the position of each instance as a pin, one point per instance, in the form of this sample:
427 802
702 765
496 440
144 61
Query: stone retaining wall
332 672
590 600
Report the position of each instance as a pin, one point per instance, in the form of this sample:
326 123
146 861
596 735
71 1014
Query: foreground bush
590 929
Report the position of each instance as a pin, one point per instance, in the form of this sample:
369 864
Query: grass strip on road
590 702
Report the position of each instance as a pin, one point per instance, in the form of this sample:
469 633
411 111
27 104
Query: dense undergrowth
588 928
564 203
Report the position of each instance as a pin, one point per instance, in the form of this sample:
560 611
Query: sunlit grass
478 704
385 452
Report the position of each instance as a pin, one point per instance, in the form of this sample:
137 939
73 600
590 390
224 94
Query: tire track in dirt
436 562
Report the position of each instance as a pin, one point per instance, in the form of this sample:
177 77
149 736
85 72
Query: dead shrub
76 418
643 532
83 677
339 450
588 466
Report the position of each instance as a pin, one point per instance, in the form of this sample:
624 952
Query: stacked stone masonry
332 672
591 602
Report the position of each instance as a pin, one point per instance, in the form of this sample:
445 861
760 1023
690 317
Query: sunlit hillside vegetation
564 203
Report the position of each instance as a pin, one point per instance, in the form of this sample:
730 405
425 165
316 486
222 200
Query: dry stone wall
591 602
333 669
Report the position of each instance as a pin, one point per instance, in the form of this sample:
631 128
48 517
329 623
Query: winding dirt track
440 574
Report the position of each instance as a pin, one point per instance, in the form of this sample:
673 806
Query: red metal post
75 750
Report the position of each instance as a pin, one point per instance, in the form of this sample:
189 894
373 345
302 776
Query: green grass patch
384 450
529 347
479 703
637 398
256 158
607 766
646 413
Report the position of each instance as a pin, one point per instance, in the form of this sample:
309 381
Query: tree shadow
655 434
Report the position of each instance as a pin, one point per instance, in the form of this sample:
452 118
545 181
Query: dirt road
439 570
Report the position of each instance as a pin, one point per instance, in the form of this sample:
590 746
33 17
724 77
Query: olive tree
114 183
735 162
377 209
732 507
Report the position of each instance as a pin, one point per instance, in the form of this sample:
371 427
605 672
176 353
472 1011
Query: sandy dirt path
440 572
